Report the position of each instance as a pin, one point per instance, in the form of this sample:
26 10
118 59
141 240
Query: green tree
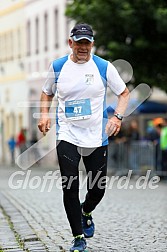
133 30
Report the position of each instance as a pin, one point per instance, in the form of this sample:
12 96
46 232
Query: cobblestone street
127 220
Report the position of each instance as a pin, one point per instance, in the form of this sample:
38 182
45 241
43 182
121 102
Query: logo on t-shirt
89 79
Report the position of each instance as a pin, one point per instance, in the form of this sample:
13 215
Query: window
20 121
28 34
19 42
46 32
11 45
7 46
56 28
4 47
67 28
0 48
37 35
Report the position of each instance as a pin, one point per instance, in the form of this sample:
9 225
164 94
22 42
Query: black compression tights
96 168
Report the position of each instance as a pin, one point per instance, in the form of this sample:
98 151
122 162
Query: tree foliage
133 30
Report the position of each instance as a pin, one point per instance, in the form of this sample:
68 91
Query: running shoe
79 244
88 225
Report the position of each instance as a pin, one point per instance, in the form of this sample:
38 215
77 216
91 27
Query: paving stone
7 237
126 220
21 227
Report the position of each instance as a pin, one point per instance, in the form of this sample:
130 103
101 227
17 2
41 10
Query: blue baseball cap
82 31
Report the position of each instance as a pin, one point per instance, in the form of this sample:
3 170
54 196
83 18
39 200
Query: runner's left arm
114 124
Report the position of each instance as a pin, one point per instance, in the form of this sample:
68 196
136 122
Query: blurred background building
13 86
32 34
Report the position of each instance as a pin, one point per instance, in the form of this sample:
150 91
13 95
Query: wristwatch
119 116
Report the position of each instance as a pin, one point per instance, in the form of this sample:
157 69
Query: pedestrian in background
133 136
163 147
35 150
12 146
21 140
155 138
117 152
81 80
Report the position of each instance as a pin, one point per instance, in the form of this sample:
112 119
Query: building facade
12 73
32 34
47 31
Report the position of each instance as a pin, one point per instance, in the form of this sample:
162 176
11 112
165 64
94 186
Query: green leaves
134 30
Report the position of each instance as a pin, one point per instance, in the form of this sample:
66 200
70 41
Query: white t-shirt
81 94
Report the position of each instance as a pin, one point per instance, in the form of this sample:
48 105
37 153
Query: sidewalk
127 220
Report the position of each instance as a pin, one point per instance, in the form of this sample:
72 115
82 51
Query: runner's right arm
45 121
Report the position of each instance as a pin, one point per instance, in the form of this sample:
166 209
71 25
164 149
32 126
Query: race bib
78 109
